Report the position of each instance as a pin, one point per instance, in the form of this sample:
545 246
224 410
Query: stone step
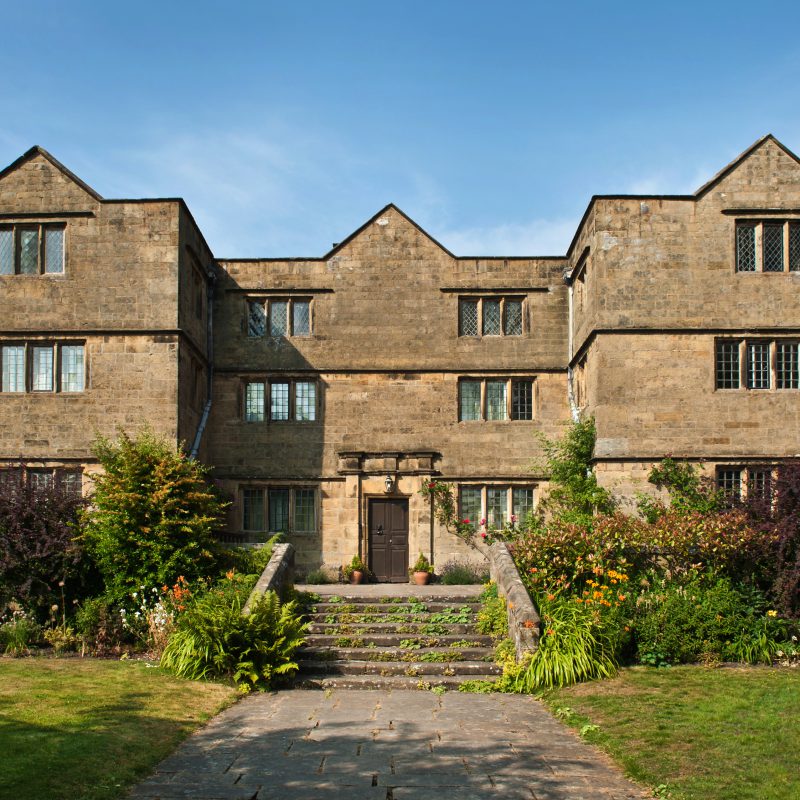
392 608
394 639
449 599
470 669
393 653
428 682
407 628
392 619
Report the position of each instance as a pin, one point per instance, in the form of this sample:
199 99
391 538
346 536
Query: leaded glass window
491 317
521 503
305 401
72 377
6 251
53 250
279 402
41 480
745 248
468 318
253 509
772 245
304 511
278 510
496 407
470 504
728 371
496 506
301 317
29 251
278 317
794 247
71 483
522 400
758 482
14 368
42 371
729 481
256 318
758 369
787 366
513 318
254 402
470 400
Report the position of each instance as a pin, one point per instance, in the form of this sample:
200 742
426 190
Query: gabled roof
704 189
725 171
40 151
390 206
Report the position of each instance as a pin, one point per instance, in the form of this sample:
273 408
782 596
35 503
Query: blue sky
286 125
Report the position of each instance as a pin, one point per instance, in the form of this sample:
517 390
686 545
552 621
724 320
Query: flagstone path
386 745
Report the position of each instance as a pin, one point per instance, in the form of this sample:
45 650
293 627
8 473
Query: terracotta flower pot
422 578
356 576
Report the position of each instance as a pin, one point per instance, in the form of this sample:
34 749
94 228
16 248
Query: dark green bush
214 639
152 517
681 624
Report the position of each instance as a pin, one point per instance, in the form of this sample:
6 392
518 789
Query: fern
215 640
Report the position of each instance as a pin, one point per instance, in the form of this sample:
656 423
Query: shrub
99 626
574 495
152 515
214 639
38 547
421 565
248 560
18 630
321 575
459 573
682 624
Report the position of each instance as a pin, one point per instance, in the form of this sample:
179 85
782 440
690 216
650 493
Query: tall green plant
576 645
574 494
215 640
153 515
688 491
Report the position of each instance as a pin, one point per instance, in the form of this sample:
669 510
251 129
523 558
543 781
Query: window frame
41 228
789 245
484 487
57 382
745 479
264 491
480 303
509 383
291 400
774 372
266 304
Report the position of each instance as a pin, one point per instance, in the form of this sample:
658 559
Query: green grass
707 734
85 729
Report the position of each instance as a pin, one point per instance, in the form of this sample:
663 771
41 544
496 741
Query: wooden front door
388 540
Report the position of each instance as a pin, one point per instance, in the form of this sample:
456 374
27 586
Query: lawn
85 729
705 734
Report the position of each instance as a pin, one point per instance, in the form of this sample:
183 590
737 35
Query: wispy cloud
537 237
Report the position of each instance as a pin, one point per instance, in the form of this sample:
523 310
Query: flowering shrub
446 512
18 630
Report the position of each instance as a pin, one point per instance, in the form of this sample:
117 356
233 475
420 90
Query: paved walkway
386 745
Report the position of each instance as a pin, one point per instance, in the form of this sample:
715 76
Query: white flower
135 594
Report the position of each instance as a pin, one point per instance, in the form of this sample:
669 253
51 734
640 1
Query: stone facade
307 383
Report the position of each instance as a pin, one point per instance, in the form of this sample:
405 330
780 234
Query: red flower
431 485
465 521
483 535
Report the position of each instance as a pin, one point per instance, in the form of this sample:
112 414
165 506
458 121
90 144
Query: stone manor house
326 390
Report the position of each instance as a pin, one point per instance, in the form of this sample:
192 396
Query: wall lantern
388 482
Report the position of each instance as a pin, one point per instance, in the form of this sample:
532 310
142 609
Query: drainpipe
210 355
573 406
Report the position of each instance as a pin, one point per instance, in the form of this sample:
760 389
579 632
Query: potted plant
356 570
421 571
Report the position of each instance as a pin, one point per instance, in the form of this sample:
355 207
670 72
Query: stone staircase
409 642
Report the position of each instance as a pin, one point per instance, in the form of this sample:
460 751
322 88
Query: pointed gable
36 182
762 173
390 230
